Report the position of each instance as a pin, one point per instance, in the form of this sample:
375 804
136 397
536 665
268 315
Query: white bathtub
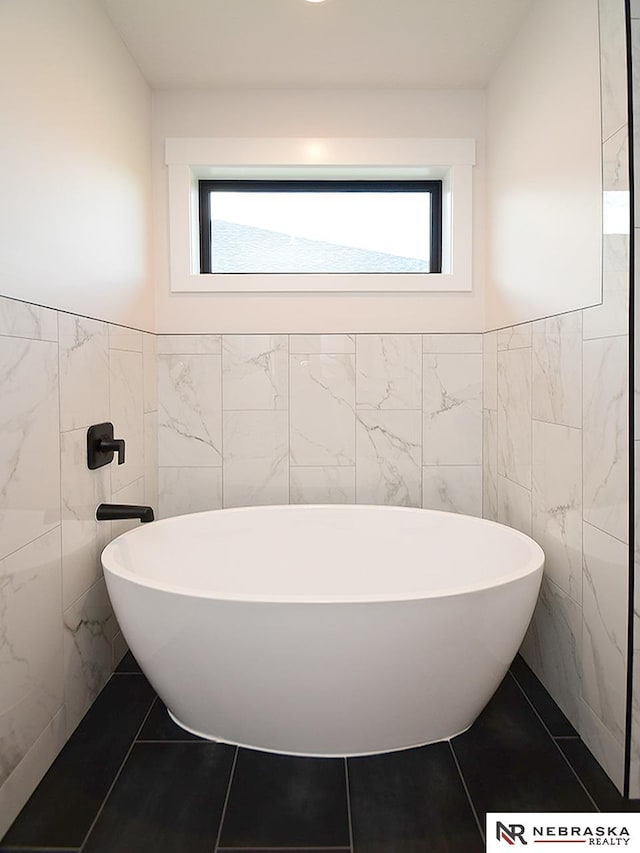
324 630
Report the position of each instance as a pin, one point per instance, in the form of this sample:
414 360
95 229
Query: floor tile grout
348 791
466 790
117 776
226 800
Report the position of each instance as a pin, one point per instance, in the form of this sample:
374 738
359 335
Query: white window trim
189 160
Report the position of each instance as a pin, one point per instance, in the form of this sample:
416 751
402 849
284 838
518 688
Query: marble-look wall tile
615 162
122 337
83 538
557 369
604 635
328 484
634 769
552 647
23 320
189 411
557 503
322 410
84 372
119 648
132 493
30 446
442 343
514 415
514 337
90 627
611 317
189 344
608 751
514 505
127 391
613 66
324 344
184 490
30 646
255 372
150 367
605 438
452 410
490 371
388 372
388 458
453 488
256 458
490 465
635 13
151 459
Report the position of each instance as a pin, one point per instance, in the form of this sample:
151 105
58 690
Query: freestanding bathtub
324 630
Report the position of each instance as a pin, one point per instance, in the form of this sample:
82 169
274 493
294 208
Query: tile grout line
466 790
223 813
553 740
117 776
346 779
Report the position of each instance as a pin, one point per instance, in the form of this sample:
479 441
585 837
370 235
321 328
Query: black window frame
433 187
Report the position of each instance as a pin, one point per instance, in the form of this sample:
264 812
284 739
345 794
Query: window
320 226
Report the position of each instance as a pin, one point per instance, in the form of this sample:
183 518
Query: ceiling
389 44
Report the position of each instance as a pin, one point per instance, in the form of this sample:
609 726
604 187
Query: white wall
316 114
544 167
74 163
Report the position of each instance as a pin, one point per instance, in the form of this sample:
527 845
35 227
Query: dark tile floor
130 781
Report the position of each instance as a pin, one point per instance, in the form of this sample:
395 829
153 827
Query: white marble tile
635 11
256 458
611 317
634 769
613 66
557 503
604 633
388 458
84 372
490 370
132 493
255 372
514 415
189 344
636 334
89 629
388 372
514 505
119 648
605 434
322 410
608 751
453 488
514 337
440 343
636 556
24 320
150 367
615 161
31 653
490 465
30 446
189 410
322 484
452 410
184 490
552 647
151 459
122 337
126 392
83 538
25 778
557 369
324 344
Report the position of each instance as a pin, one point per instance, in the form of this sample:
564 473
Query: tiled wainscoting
271 419
59 640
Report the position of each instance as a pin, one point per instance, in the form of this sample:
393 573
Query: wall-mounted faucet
120 512
101 445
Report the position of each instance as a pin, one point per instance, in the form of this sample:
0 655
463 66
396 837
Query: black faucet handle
113 445
101 445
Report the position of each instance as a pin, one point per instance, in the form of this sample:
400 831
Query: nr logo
510 832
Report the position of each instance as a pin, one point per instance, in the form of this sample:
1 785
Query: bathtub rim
533 565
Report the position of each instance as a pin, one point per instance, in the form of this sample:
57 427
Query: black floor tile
411 802
602 790
285 801
128 664
510 763
284 850
550 714
65 803
160 726
168 799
